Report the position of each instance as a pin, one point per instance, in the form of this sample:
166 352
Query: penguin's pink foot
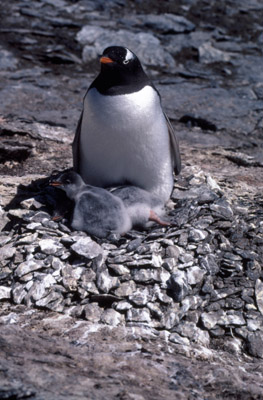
154 217
57 218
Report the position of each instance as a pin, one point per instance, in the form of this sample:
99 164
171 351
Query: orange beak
106 60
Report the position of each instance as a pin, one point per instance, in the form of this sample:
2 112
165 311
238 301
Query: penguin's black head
116 56
70 182
121 72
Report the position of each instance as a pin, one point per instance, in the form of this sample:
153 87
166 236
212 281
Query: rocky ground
169 312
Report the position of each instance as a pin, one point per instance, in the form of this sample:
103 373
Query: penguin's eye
126 61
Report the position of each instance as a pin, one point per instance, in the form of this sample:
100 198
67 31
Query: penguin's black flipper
75 146
174 146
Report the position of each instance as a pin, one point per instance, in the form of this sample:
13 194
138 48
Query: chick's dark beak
55 183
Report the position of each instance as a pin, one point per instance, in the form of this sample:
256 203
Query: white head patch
129 56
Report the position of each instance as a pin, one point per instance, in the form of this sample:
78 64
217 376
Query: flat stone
5 292
49 246
231 318
119 269
178 339
222 209
27 267
7 252
18 293
197 235
140 298
210 319
259 295
195 275
92 312
209 263
145 275
168 23
86 247
138 315
170 317
123 306
209 54
255 344
105 282
178 286
52 301
111 317
125 289
155 310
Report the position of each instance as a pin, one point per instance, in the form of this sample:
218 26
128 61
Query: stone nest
198 281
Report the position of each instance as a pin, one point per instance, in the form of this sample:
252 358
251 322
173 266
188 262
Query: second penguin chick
141 205
96 211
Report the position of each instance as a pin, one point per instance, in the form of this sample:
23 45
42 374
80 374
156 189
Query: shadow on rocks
41 197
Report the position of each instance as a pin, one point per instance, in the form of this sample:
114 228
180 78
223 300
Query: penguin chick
96 211
141 205
123 135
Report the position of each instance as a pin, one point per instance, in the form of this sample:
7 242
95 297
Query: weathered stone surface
259 295
178 286
195 275
111 317
138 315
28 266
5 292
49 246
86 247
215 235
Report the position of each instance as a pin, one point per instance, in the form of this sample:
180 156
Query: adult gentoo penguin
123 135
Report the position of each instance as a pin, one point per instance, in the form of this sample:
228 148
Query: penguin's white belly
124 138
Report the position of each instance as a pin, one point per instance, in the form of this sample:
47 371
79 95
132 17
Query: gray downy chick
96 210
141 205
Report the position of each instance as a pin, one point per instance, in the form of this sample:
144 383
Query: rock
138 315
105 282
92 312
18 293
210 319
5 292
123 306
259 295
255 344
52 301
178 286
86 247
168 23
125 289
49 246
209 54
111 317
145 275
195 275
170 317
222 209
28 266
209 263
196 235
8 60
140 298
